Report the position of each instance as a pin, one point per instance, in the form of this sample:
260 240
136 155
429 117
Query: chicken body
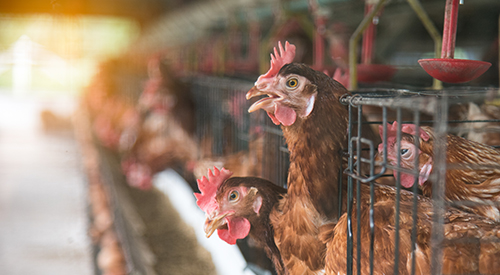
470 241
484 132
306 104
110 110
474 175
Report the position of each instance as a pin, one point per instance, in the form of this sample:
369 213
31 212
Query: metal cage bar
416 119
398 195
358 189
437 235
349 196
421 105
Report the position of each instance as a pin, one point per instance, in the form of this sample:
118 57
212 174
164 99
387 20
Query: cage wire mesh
226 127
221 113
468 112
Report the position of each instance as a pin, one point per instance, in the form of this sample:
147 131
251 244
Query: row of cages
249 144
222 115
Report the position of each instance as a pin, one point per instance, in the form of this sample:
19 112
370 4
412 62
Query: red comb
208 188
392 130
284 56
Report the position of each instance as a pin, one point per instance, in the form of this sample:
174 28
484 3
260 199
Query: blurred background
109 111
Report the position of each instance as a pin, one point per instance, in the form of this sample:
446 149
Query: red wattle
238 228
274 119
407 180
284 114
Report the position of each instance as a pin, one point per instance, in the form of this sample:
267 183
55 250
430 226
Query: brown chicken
161 143
306 104
110 111
165 137
116 116
470 244
238 207
475 177
164 93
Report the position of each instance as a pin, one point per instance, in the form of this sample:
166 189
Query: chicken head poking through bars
407 151
472 179
238 207
219 218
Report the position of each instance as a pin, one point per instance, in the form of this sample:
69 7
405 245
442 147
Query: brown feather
474 174
483 132
470 240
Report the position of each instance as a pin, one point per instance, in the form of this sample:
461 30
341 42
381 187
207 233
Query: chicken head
223 206
290 93
408 152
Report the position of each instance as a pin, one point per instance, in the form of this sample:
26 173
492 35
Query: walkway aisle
42 197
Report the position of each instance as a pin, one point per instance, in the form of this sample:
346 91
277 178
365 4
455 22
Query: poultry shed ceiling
200 19
190 22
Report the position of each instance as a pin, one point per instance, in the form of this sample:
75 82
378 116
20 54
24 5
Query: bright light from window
48 54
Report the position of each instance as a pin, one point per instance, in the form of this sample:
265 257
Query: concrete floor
42 195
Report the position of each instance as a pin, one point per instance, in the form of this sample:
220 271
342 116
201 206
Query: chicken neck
315 144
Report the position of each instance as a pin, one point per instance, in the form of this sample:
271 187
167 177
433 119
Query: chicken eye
292 83
405 153
234 196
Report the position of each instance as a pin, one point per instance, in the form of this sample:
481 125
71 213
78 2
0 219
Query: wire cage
226 127
221 113
452 111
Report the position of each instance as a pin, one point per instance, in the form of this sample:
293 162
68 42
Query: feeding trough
368 72
446 68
